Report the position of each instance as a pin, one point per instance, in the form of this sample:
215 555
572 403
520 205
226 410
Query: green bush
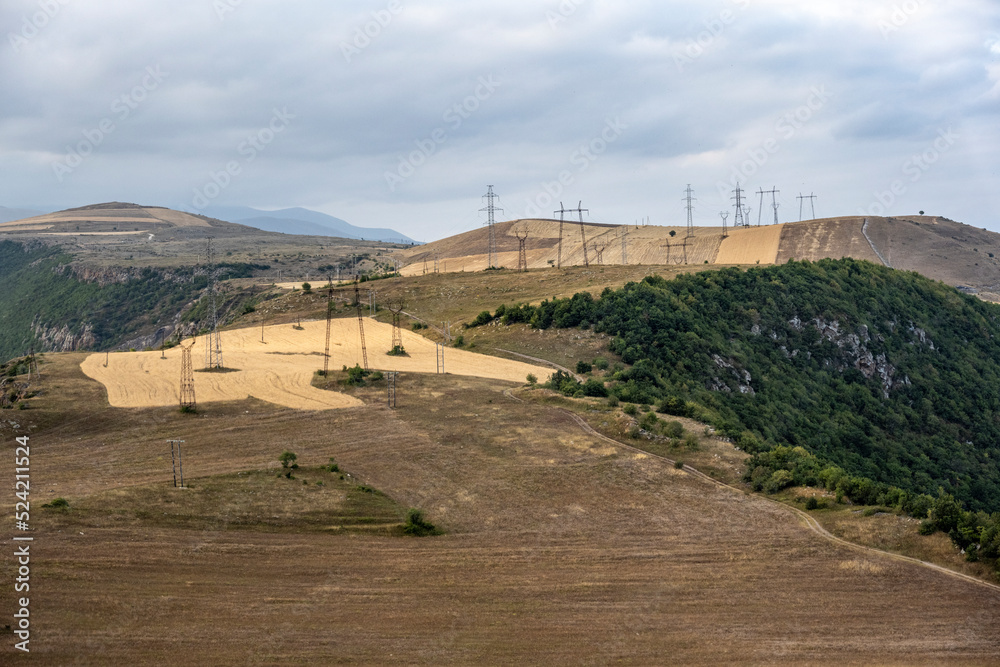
583 367
532 379
58 503
601 364
779 480
631 409
287 458
673 429
418 526
594 387
812 503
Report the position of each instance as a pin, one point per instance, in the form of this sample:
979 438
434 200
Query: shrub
583 367
612 401
532 379
679 464
673 429
58 503
631 409
287 458
594 387
601 364
812 503
332 467
397 351
779 480
418 526
481 319
460 341
307 288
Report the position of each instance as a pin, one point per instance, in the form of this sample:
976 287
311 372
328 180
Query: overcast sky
400 113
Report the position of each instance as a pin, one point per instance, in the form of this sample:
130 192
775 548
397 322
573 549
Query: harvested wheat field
750 245
280 369
832 237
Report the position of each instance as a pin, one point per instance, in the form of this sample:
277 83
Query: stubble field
560 547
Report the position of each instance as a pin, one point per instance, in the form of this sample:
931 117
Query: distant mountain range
301 221
11 214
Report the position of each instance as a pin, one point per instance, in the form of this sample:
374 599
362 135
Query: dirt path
809 521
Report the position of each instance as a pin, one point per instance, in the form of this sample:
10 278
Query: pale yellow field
750 245
280 369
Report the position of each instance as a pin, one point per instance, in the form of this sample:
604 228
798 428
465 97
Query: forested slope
887 374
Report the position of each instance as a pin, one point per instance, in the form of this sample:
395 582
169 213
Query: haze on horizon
398 113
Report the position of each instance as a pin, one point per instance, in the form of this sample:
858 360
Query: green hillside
44 304
886 374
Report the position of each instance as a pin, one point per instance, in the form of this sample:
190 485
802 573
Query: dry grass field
751 245
818 239
277 363
560 548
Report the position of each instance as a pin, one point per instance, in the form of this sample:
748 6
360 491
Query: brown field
560 548
644 245
817 239
281 368
750 245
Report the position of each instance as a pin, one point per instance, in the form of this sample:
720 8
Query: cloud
701 87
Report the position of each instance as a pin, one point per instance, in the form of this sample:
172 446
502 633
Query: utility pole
624 233
391 380
811 197
583 233
491 210
562 211
760 209
725 216
175 462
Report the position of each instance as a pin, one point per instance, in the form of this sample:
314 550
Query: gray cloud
701 88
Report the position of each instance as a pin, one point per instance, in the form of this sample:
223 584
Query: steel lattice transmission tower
187 378
391 377
690 210
738 221
329 324
491 210
522 254
213 344
361 319
725 216
396 307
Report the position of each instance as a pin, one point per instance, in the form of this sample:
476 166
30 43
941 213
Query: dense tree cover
36 287
884 374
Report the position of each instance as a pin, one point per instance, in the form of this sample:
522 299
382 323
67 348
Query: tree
307 288
287 459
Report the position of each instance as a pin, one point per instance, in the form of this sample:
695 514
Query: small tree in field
287 459
307 288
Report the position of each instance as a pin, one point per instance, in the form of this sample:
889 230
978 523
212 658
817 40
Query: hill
941 249
562 546
124 275
884 373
